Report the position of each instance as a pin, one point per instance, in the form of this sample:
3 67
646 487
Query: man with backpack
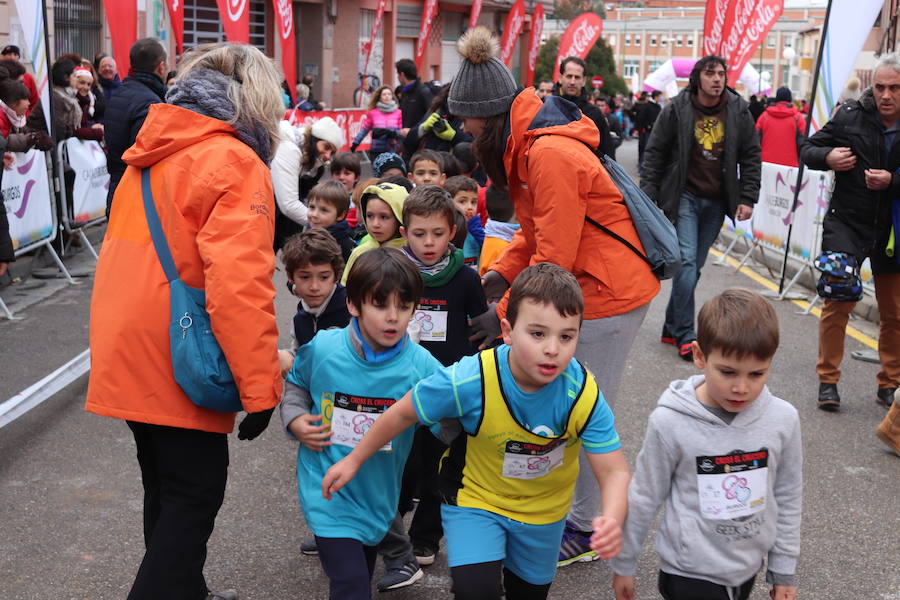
702 162
781 128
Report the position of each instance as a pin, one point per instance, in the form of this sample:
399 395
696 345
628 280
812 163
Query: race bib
530 461
733 485
431 315
352 416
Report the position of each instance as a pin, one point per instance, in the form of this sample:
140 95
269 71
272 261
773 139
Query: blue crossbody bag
199 363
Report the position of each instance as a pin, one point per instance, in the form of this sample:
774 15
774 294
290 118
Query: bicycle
367 85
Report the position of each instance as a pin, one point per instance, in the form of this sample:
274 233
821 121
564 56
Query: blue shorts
476 536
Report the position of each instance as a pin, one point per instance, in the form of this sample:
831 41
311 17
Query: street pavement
70 490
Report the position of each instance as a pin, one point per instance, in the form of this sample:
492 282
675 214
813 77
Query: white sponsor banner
772 215
31 15
87 159
26 199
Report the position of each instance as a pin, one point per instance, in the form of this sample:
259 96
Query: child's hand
314 437
338 476
607 538
285 361
783 592
623 586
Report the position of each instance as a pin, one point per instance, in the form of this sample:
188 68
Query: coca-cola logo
425 29
236 8
582 39
515 26
176 4
538 29
285 15
713 38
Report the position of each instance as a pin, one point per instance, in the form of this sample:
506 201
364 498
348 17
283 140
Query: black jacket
343 235
668 155
414 103
645 115
607 143
334 316
858 220
459 299
414 142
125 114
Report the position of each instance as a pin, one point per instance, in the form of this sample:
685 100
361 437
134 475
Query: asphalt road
70 492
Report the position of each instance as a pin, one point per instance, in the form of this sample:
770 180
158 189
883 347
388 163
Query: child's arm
476 229
788 492
611 471
295 409
392 423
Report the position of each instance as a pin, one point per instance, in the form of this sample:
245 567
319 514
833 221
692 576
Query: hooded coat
555 181
781 129
682 444
395 201
214 199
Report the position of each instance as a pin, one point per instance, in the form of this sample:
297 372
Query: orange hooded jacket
555 180
215 203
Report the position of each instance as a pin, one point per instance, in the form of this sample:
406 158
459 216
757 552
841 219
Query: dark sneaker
667 338
396 577
574 547
223 595
424 556
885 396
308 547
829 399
686 352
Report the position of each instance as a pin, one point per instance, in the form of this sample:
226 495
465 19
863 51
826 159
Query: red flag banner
717 12
367 48
176 17
474 14
429 12
284 16
578 39
537 27
515 20
746 27
122 17
350 120
235 17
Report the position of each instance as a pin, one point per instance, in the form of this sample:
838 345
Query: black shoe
398 576
424 556
885 396
829 399
308 547
223 595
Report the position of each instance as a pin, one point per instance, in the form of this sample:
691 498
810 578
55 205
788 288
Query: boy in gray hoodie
724 456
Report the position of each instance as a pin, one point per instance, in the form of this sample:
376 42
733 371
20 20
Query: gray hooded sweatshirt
732 492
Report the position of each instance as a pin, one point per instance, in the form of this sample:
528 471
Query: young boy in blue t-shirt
525 408
341 383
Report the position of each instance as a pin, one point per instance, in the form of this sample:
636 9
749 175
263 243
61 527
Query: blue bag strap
156 230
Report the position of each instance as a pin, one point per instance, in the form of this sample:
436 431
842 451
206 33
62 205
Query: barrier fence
87 205
350 120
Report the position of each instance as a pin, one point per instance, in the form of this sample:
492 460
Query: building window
690 41
627 38
654 65
203 26
678 42
629 68
408 20
637 40
612 41
653 41
770 40
376 57
78 27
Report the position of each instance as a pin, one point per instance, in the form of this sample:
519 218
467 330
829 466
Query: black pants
482 581
643 136
349 566
184 473
675 587
422 470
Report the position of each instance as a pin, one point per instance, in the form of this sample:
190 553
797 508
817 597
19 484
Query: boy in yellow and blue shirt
525 408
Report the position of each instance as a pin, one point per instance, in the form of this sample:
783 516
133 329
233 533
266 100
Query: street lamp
788 55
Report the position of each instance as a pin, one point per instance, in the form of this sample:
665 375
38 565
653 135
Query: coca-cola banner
537 27
284 16
367 47
578 39
235 17
350 121
176 17
746 27
515 20
429 12
474 13
714 24
122 17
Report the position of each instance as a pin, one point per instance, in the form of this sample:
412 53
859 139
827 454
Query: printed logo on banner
26 199
236 9
88 200
349 120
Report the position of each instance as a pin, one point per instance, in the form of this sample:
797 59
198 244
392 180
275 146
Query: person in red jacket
781 129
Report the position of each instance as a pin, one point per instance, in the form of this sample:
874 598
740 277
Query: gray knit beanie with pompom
483 86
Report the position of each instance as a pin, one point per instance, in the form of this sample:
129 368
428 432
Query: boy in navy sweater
328 205
453 294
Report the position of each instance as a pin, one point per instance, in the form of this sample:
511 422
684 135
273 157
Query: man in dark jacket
860 144
702 163
128 107
572 77
645 112
415 96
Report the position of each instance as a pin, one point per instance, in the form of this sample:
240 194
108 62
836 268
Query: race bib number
352 416
530 461
431 315
733 485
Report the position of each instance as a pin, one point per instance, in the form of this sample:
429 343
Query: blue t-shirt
455 392
348 392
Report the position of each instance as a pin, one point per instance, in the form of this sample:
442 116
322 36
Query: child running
341 383
724 456
525 408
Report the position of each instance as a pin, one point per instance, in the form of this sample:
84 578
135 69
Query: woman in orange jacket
543 152
206 150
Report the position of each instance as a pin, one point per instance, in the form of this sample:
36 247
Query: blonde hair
254 88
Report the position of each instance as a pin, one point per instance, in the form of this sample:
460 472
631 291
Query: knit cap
483 86
783 94
386 161
328 130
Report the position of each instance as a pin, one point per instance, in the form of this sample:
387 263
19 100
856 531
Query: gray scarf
433 269
203 92
388 107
